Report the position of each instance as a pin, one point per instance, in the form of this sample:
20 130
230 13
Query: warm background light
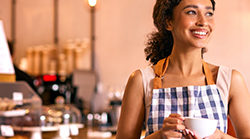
92 3
120 40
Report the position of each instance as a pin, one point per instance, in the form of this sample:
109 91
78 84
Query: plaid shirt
191 101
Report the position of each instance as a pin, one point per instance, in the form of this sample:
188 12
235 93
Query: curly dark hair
160 42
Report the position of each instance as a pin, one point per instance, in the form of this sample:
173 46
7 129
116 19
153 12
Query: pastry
6 104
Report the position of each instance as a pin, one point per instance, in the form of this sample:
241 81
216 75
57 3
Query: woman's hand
188 134
172 126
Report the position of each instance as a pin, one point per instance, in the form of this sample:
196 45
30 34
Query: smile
199 32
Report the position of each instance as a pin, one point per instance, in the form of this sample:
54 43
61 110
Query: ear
169 26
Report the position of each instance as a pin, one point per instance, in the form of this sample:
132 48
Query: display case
65 119
20 111
54 115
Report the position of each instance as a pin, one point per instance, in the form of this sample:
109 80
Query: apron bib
190 101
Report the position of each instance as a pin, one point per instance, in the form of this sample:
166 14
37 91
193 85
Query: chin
201 44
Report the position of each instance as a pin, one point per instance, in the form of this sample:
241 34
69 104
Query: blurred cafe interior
79 55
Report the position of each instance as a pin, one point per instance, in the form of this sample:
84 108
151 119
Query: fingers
172 134
188 134
174 119
177 116
173 126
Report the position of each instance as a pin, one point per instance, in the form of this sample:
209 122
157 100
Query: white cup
201 126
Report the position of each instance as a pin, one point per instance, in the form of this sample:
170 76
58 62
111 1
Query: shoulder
140 78
237 79
135 79
134 88
238 85
142 74
236 76
147 72
137 74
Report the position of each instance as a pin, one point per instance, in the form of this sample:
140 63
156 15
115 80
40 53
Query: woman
181 75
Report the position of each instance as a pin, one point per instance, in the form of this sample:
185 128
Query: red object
49 78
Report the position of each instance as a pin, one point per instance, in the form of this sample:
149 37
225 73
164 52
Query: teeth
199 32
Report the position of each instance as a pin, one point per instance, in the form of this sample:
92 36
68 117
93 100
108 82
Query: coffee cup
201 126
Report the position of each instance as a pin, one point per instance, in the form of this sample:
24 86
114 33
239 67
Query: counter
82 135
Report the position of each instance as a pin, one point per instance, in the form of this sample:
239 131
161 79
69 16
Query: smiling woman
179 83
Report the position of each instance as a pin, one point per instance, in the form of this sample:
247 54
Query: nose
201 21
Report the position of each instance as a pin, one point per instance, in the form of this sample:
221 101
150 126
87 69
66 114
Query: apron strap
161 67
208 73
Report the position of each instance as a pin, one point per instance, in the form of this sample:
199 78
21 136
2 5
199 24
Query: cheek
188 21
212 25
184 23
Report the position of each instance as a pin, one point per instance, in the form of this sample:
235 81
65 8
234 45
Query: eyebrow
196 7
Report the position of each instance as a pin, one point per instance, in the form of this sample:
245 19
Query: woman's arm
239 105
132 111
133 114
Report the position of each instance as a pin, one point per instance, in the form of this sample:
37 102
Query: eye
191 12
209 14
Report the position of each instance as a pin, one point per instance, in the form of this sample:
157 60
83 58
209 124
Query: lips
199 33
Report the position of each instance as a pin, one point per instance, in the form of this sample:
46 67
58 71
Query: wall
34 25
121 30
5 15
35 22
230 45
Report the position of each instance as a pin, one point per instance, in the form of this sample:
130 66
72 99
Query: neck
186 64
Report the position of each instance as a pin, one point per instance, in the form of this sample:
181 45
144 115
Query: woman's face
192 23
